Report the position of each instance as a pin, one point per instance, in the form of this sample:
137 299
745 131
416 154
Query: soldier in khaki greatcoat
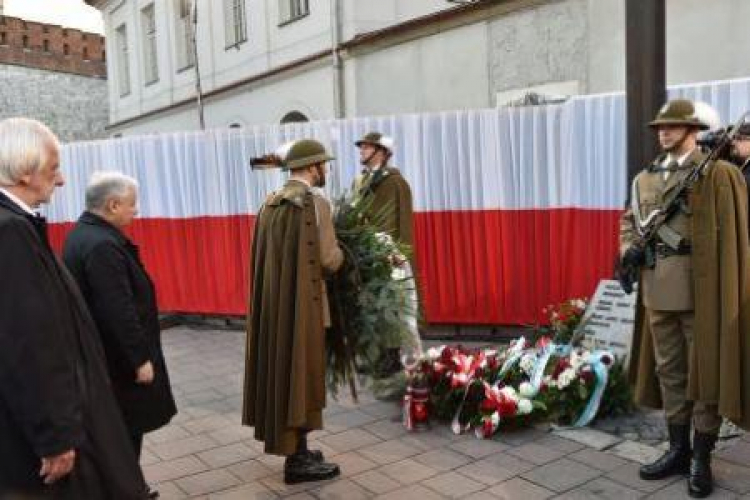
689 354
294 246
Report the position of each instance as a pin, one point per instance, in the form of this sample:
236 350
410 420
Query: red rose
487 429
492 363
446 355
587 376
506 407
487 406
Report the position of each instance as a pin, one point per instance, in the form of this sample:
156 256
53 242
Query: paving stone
165 434
408 471
478 448
731 476
173 469
481 495
628 476
250 471
222 456
517 489
350 440
678 491
252 491
208 424
348 420
602 488
388 451
738 453
443 459
231 434
169 491
520 436
589 437
415 492
377 482
385 429
276 484
424 441
183 447
342 490
352 463
535 453
453 485
561 475
148 457
636 452
598 459
382 409
207 482
559 444
489 472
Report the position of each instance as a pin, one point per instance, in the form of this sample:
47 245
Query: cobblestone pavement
206 453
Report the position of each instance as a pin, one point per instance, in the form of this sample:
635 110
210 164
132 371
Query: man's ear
112 204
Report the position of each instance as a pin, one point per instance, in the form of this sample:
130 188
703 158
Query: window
123 61
184 35
294 117
45 45
85 53
25 42
66 49
3 38
289 10
235 22
148 25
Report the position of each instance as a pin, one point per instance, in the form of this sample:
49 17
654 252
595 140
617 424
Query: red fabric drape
476 267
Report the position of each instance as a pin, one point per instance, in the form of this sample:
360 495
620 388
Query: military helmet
303 153
679 112
376 139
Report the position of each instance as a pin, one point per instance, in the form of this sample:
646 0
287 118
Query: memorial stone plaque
609 320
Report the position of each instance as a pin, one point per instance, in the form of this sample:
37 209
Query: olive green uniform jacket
390 192
719 363
294 244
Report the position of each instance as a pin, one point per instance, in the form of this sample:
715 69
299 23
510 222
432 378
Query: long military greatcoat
54 389
294 243
719 363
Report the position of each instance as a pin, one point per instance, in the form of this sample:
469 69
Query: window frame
289 11
238 11
124 84
150 44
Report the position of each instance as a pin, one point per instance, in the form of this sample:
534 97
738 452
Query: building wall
73 106
51 47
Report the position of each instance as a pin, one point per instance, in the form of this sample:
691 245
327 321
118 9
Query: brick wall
51 47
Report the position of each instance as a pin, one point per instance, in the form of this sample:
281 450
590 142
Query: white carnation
526 390
524 406
528 361
509 392
565 378
434 353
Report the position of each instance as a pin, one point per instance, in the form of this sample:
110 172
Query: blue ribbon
602 375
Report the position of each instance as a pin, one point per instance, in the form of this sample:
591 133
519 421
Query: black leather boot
676 460
701 481
302 467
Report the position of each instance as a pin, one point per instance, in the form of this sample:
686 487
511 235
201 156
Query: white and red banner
517 208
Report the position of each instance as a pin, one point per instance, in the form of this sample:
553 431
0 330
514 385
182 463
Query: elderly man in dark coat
294 244
122 300
61 432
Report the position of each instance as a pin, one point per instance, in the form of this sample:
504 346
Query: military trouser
673 337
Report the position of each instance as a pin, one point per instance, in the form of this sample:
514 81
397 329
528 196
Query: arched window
294 117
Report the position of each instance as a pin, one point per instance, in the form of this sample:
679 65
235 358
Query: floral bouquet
369 297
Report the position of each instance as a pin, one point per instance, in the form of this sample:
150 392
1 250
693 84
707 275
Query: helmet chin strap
366 161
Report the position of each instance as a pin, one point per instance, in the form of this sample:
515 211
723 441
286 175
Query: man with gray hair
122 300
61 433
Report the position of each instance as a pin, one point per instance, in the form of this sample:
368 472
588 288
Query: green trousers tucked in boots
700 481
676 460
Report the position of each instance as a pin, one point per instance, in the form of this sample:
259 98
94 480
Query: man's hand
633 257
54 468
145 374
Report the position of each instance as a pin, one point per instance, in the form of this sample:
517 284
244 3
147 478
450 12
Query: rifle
627 270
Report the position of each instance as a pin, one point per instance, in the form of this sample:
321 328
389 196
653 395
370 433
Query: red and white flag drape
516 208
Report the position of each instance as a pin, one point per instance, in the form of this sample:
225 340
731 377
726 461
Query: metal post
198 88
646 77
